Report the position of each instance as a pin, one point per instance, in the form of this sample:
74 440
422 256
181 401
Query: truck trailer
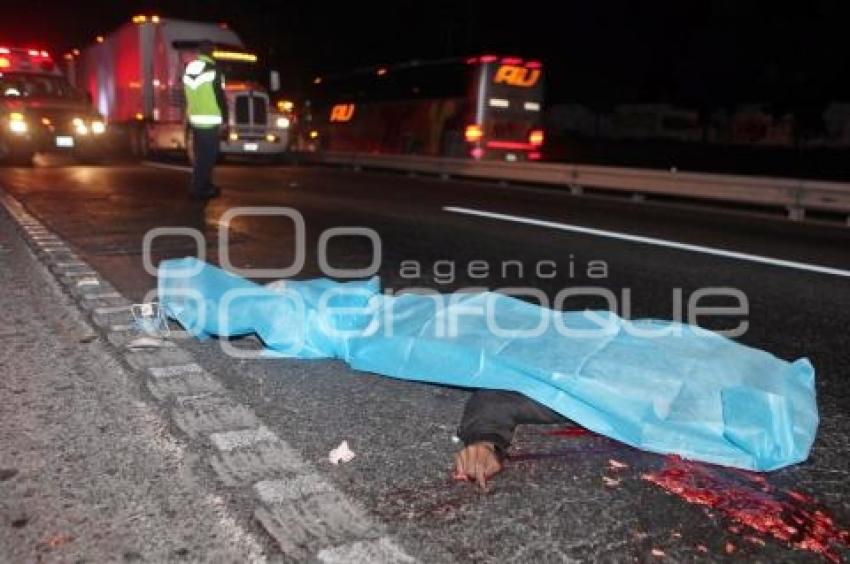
135 78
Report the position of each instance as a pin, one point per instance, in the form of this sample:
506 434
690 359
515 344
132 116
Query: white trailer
134 76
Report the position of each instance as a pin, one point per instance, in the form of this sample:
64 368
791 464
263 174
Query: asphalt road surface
563 495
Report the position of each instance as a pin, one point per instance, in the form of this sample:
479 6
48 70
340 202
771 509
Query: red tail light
535 138
473 133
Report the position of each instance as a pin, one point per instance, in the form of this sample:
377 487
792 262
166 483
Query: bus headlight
282 122
98 127
17 124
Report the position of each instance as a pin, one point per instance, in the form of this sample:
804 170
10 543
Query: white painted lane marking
273 492
650 241
177 370
231 440
111 309
182 168
378 551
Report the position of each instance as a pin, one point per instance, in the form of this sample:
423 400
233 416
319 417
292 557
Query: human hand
477 462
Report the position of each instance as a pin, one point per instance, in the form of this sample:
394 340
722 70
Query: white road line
231 440
106 310
182 168
272 492
380 551
176 370
650 241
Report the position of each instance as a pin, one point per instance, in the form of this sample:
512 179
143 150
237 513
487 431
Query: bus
483 107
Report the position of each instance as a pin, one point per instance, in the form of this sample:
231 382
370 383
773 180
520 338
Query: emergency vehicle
41 111
483 107
135 78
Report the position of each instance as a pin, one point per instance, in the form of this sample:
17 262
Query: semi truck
40 111
135 78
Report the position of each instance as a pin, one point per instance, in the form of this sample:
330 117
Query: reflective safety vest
198 84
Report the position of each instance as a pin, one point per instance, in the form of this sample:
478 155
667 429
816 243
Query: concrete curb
306 516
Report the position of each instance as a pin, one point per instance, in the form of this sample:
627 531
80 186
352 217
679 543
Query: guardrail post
576 189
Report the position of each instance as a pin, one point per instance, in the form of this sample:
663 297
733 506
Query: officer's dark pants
205 153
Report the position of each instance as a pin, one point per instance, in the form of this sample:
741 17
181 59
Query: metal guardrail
794 195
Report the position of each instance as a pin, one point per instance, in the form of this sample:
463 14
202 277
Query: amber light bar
235 56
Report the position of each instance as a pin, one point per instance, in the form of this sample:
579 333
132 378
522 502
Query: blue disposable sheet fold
661 386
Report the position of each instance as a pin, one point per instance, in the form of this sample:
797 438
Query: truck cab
41 111
135 77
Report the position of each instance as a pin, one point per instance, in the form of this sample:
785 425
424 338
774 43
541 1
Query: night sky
693 53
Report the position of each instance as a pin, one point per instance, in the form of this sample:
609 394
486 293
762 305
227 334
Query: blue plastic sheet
660 386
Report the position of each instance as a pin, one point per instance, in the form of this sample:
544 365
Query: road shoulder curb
307 517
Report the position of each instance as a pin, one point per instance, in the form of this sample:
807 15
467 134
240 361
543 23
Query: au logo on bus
516 76
342 112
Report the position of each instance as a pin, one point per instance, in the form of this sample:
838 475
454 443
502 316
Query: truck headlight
282 122
17 124
98 127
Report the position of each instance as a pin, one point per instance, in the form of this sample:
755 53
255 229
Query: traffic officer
206 108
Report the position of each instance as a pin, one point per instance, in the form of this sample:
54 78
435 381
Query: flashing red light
511 61
32 52
4 63
488 58
473 133
535 156
45 54
535 138
4 50
477 153
533 64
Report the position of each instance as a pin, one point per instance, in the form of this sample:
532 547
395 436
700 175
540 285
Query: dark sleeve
219 95
492 415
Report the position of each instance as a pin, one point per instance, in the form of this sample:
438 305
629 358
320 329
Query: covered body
660 386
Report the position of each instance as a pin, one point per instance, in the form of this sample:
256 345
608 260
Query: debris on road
341 454
149 319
